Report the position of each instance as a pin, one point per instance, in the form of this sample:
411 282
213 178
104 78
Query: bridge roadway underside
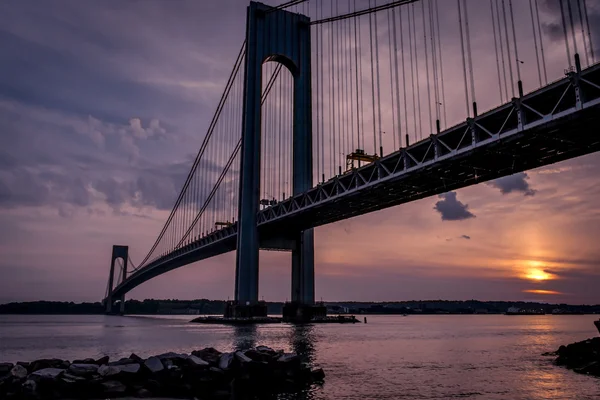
557 133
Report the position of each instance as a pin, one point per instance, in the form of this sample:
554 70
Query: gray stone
129 368
71 378
47 373
154 364
244 359
264 349
109 370
226 360
18 372
84 361
288 358
30 386
197 361
172 356
102 360
83 369
5 368
113 387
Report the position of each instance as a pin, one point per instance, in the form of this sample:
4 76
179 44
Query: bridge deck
552 124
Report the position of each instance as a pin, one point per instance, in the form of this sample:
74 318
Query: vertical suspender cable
331 101
470 58
564 26
427 63
434 65
339 87
589 32
397 81
372 82
389 12
512 79
350 79
378 84
439 47
496 47
539 27
356 78
462 48
414 24
537 55
412 70
501 41
512 21
403 76
318 102
572 27
585 47
322 97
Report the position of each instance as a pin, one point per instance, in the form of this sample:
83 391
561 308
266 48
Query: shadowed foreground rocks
582 357
204 374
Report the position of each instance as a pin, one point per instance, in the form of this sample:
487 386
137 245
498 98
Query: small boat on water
597 323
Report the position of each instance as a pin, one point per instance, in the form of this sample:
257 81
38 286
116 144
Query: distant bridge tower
123 253
284 37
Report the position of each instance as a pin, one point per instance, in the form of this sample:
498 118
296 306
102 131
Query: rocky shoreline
204 374
582 357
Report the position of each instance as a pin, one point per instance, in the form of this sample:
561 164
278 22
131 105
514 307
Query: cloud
451 209
465 237
513 183
554 29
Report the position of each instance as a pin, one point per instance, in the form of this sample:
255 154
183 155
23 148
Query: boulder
70 378
318 374
46 374
289 358
123 361
172 356
208 354
129 368
135 357
226 360
30 386
244 359
259 356
110 370
265 349
5 368
113 388
154 365
195 361
83 369
84 361
19 372
102 360
143 393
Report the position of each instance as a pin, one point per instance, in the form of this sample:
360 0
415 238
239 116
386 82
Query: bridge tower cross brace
284 37
123 253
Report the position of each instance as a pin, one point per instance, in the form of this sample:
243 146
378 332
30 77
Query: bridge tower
284 37
123 253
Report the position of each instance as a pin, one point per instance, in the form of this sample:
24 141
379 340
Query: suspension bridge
338 108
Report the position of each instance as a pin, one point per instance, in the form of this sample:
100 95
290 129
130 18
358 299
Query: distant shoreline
217 307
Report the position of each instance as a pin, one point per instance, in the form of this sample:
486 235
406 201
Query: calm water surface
391 357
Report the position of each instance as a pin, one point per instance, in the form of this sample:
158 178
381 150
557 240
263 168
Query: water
391 357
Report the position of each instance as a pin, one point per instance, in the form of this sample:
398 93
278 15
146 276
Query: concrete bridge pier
284 37
121 252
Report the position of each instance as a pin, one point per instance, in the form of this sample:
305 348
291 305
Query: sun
537 275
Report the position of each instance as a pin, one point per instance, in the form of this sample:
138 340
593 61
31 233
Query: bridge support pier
284 37
121 252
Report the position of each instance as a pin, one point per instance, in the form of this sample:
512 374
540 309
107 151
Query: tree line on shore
217 307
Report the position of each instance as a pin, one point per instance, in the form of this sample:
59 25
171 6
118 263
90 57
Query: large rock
46 374
208 354
102 360
197 361
109 370
5 368
226 360
83 369
19 372
154 364
244 359
113 388
289 358
129 368
84 361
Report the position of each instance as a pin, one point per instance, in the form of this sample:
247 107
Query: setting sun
537 274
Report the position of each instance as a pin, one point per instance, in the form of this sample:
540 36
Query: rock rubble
205 374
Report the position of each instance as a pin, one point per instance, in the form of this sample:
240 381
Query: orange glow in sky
540 291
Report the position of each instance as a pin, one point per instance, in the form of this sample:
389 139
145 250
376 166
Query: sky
104 105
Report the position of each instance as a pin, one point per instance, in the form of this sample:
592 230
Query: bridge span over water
260 178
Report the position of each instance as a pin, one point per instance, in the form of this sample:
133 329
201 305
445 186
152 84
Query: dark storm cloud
467 237
451 209
513 183
555 28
